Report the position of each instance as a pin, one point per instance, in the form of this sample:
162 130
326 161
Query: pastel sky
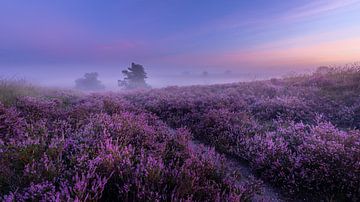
62 39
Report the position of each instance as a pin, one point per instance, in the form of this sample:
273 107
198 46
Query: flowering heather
299 133
101 148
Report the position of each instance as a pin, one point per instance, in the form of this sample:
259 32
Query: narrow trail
268 193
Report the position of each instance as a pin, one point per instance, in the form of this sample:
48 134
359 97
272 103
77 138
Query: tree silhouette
134 77
89 82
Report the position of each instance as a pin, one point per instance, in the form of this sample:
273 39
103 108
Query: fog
53 77
178 42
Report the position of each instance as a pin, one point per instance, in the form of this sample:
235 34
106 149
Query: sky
55 42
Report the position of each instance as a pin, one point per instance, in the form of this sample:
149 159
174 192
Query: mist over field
54 44
179 77
180 100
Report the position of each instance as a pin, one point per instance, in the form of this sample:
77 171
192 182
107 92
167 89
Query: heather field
290 139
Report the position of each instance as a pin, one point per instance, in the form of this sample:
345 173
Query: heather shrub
101 148
299 133
12 125
224 129
274 125
306 159
38 108
293 108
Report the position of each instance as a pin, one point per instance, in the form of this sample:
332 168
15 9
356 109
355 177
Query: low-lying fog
185 78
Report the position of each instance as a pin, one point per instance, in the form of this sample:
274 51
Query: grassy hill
300 134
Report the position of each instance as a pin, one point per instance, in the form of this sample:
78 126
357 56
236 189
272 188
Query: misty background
55 77
53 43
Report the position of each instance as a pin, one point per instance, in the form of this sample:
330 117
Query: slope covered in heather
299 134
102 148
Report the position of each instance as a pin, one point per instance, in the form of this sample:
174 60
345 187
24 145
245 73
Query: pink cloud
339 51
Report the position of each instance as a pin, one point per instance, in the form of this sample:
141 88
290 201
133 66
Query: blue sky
64 39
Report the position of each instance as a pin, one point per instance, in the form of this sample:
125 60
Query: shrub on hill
99 148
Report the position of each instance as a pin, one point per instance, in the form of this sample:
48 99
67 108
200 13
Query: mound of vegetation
101 148
11 89
300 133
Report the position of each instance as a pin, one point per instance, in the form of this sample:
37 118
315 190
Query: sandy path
268 192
